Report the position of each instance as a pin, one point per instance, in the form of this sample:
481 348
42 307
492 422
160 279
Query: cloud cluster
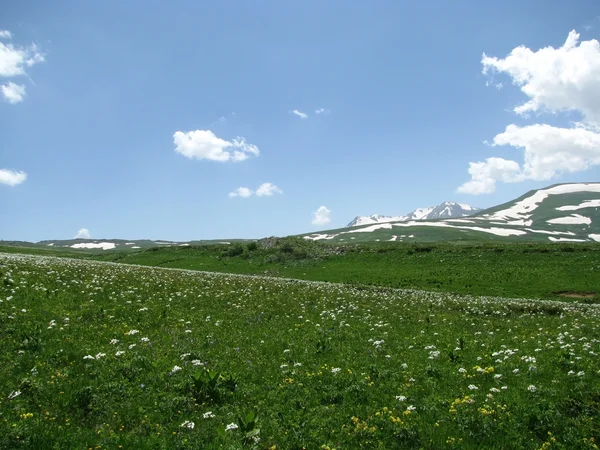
321 216
204 144
555 80
84 233
264 190
14 62
12 177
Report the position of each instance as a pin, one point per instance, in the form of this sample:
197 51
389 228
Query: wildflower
188 424
462 370
231 426
208 415
297 364
132 332
434 354
14 394
88 357
472 387
498 376
581 373
131 346
114 341
119 353
515 371
335 370
145 339
411 408
400 398
404 366
100 355
175 369
197 362
531 388
570 372
287 350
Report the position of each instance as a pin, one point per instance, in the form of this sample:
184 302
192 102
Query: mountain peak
445 210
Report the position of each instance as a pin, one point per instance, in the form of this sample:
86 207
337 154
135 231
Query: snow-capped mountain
446 210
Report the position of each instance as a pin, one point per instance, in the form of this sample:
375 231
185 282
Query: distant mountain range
446 210
560 213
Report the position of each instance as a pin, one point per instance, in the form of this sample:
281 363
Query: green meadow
103 355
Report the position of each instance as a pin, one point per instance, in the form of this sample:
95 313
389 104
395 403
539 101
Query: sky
189 120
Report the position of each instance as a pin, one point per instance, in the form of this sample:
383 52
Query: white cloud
203 144
265 189
485 174
555 79
12 92
11 177
550 151
321 216
268 189
15 60
565 79
299 114
84 233
243 192
321 111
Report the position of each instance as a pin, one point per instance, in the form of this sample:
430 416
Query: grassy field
102 355
547 271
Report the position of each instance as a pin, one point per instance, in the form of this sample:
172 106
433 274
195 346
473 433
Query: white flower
400 398
404 366
231 426
88 357
410 408
14 394
188 424
208 415
175 369
498 376
131 346
581 373
283 366
494 390
434 354
287 350
100 355
335 370
570 372
297 364
462 370
197 362
132 332
145 339
516 371
472 387
114 341
531 388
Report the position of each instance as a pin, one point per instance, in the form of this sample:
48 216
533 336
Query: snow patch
102 245
387 226
554 239
587 204
51 244
595 237
393 238
574 219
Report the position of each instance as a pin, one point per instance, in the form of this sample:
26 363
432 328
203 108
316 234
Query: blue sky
91 112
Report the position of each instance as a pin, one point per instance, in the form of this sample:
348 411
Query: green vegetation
114 356
548 271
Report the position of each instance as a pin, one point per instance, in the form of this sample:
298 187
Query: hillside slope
559 213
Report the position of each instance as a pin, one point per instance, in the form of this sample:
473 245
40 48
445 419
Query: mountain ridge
445 210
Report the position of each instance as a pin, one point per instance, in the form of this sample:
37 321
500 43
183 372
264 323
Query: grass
115 356
497 269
